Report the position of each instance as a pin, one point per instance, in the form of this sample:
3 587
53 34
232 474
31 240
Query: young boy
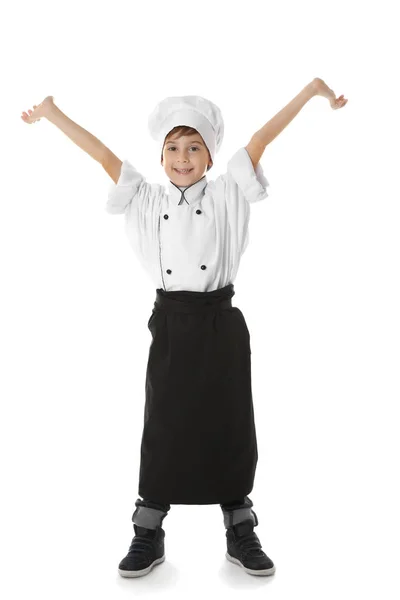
199 441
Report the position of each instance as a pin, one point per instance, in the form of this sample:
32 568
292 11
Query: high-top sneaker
244 549
145 551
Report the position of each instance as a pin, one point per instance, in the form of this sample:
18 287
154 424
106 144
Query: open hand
42 110
320 88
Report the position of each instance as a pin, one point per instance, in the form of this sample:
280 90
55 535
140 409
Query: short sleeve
121 194
235 190
252 183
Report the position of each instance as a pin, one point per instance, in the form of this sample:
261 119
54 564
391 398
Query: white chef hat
193 111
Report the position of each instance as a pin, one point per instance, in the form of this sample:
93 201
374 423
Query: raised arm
82 138
274 126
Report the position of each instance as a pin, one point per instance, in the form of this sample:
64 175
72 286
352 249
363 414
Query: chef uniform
199 440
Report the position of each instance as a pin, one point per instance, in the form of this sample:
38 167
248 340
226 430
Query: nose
183 155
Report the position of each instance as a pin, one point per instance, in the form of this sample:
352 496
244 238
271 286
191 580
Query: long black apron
199 441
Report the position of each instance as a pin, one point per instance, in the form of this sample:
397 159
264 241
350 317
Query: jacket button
198 212
203 267
169 271
166 217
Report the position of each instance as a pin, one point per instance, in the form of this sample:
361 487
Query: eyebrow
194 142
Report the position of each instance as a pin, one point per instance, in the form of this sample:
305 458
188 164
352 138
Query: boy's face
185 152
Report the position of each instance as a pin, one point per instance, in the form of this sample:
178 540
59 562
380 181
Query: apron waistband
192 302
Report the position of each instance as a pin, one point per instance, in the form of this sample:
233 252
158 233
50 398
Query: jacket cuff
121 194
251 182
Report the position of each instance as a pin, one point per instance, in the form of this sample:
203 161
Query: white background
318 286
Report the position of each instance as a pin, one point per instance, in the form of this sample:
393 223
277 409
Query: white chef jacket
189 238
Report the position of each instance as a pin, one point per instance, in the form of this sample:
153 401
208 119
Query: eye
172 147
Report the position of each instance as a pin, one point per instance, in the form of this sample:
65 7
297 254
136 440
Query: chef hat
193 111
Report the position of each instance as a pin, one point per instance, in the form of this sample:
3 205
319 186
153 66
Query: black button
203 267
169 271
166 217
198 212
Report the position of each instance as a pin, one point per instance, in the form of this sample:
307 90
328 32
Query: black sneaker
244 549
145 551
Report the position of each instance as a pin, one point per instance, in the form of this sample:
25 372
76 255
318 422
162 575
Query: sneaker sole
125 573
236 561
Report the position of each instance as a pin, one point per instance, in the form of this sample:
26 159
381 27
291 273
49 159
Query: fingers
27 118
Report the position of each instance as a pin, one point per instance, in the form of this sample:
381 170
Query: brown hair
183 130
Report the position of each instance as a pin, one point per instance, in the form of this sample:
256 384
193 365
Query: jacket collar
188 195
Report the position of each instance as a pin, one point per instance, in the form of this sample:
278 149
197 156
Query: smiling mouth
183 172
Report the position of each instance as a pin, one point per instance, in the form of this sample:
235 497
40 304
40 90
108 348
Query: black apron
199 441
